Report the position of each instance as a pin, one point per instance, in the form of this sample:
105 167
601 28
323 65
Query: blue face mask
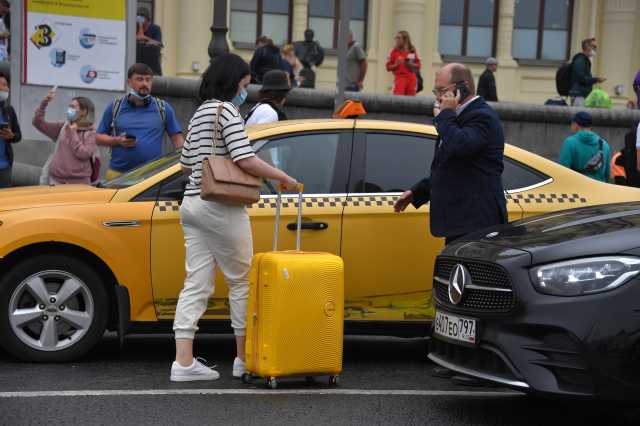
138 95
140 19
72 114
240 97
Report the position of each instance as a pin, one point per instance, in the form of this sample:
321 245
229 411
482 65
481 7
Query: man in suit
487 81
465 185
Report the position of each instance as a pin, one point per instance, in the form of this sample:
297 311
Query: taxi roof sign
351 108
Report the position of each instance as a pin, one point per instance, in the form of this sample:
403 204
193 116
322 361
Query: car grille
496 294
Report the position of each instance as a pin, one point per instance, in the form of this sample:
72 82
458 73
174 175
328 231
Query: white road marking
164 392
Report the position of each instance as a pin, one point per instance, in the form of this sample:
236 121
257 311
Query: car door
389 257
526 190
318 159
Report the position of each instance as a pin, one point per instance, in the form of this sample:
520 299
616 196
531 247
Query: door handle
314 226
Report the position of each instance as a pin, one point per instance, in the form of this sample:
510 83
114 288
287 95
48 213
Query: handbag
223 180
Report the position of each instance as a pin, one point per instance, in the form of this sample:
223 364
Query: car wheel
53 308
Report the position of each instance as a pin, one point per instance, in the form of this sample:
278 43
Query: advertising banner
75 43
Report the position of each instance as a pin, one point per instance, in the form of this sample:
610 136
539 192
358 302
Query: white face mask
592 53
3 96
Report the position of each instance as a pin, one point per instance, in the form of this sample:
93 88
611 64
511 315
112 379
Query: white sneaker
196 371
238 368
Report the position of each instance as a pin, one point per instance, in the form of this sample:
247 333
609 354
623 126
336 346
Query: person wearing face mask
134 125
149 41
582 80
75 140
217 234
9 132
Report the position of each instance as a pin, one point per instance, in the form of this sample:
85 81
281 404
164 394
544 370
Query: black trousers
5 178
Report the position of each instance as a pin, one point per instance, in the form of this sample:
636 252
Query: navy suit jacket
465 185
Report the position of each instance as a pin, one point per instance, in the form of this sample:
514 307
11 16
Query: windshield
143 172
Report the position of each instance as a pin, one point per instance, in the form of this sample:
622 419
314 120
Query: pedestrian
9 132
133 126
75 139
149 41
266 57
487 81
216 234
273 93
291 64
356 64
404 63
585 151
582 80
465 184
628 158
5 29
311 56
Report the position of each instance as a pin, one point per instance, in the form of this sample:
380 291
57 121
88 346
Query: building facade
530 38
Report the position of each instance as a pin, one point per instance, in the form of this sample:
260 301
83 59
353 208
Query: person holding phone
75 140
9 132
134 125
465 184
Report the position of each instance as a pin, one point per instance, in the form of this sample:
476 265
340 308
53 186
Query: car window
395 162
143 172
517 175
309 158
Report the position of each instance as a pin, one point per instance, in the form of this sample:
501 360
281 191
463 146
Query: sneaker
198 370
238 368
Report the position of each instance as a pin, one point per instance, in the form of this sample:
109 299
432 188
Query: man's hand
7 134
402 202
436 109
449 101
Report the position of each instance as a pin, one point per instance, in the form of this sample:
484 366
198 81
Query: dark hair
5 3
460 73
220 81
140 69
4 75
87 106
273 95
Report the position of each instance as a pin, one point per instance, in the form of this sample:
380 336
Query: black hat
275 80
582 119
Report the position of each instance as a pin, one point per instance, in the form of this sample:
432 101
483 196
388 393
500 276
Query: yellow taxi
76 260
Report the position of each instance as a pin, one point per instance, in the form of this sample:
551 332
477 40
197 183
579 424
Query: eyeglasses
439 91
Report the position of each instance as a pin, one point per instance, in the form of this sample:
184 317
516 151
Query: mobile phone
462 89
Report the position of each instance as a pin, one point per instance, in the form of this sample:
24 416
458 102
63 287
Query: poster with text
75 43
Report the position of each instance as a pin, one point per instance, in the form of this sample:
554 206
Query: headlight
584 276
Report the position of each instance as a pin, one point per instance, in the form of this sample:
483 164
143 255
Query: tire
54 330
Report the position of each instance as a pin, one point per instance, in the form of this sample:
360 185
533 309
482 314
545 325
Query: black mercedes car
549 305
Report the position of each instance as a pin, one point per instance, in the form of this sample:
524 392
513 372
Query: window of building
324 20
468 28
410 162
253 18
542 29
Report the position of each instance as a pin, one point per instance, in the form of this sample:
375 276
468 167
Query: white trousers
215 235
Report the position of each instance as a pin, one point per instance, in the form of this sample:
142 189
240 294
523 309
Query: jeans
215 235
5 178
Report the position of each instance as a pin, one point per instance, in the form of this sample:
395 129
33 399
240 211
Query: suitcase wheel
272 383
334 380
247 378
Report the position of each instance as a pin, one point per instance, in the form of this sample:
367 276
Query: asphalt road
385 381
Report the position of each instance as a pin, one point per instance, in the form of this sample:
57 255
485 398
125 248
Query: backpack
596 162
563 78
161 106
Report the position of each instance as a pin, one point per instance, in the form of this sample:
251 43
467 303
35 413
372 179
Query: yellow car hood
47 196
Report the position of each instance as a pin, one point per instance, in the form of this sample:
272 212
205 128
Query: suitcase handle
276 232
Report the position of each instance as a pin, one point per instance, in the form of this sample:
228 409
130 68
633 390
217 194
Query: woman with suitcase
217 234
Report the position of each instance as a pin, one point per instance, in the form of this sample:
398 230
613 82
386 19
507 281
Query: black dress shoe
442 372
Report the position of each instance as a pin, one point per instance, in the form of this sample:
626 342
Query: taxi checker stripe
547 198
165 206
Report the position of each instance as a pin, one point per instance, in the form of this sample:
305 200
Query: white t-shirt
262 114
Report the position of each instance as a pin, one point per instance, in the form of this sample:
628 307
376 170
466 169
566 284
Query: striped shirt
231 141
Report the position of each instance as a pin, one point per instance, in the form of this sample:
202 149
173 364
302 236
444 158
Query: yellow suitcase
295 312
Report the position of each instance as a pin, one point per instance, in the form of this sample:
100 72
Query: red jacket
403 69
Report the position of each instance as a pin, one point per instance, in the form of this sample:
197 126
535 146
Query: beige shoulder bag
223 180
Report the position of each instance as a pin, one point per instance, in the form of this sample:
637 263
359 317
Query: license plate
455 327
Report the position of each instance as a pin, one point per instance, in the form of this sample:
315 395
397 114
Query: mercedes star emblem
459 278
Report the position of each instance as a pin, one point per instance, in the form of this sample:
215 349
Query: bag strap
251 111
216 128
115 111
162 110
